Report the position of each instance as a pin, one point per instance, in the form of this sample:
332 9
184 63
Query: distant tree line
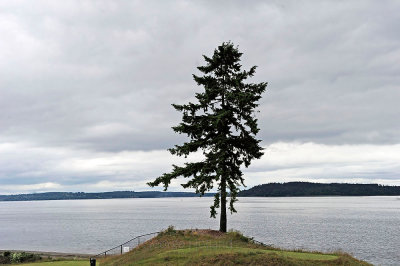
294 189
291 189
100 195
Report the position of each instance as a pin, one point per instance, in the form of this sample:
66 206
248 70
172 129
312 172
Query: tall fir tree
223 126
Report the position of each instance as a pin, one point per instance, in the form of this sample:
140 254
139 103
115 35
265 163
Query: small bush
4 260
239 236
169 231
5 257
17 257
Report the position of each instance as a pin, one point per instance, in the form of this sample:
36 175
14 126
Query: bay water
366 227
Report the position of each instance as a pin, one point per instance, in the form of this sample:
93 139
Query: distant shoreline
290 189
98 195
308 189
208 196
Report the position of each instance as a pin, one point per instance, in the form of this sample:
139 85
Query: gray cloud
99 77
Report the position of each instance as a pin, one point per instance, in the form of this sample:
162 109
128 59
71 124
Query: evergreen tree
223 126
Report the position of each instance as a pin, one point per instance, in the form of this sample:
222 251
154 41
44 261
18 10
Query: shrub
8 257
16 257
4 260
19 257
169 231
239 236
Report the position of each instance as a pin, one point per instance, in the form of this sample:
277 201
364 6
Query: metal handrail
136 237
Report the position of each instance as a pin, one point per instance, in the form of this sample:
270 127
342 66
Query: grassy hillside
207 247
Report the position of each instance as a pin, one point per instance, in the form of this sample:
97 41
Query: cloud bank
57 169
86 88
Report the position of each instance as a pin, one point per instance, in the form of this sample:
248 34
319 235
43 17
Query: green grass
237 255
56 263
207 247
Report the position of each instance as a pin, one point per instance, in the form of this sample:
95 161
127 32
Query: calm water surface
367 227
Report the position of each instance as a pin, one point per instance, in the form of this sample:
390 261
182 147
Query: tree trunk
225 130
223 220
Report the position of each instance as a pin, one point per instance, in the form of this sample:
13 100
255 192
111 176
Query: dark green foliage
169 231
5 257
222 125
17 257
318 189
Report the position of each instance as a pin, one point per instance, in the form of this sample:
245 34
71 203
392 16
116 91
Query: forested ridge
319 189
290 189
99 195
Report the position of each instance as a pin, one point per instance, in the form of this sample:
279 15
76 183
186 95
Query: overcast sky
86 89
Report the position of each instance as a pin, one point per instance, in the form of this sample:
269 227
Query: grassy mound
208 247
